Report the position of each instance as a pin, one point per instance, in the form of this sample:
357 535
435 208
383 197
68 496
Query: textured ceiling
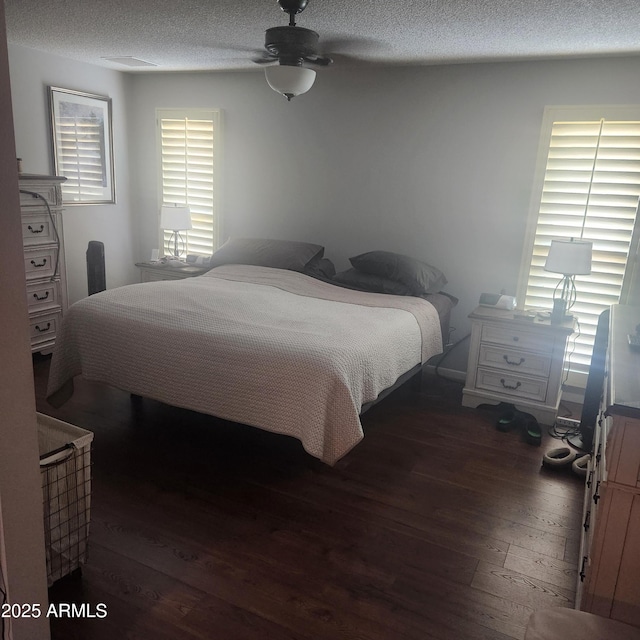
225 34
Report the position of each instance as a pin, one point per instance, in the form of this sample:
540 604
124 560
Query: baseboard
452 374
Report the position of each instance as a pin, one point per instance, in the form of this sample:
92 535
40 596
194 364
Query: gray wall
31 73
436 162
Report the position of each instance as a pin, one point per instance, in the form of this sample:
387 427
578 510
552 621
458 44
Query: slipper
532 433
579 465
507 421
560 457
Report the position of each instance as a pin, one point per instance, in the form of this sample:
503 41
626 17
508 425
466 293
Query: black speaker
96 277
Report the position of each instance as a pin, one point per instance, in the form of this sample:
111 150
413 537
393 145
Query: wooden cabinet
154 271
609 572
515 360
43 251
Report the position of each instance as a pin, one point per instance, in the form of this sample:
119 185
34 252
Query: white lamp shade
569 257
175 218
290 81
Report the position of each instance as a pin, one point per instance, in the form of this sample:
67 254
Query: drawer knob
43 329
44 297
508 386
40 230
37 265
513 362
516 338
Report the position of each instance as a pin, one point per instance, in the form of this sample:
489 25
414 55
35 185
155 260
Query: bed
263 346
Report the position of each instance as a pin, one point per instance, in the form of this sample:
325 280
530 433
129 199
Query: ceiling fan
291 47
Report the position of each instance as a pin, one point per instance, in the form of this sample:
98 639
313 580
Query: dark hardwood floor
435 526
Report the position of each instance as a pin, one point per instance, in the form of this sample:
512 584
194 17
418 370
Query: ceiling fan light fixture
290 81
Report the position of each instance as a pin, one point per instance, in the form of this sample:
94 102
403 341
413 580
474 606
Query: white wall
436 162
22 545
31 73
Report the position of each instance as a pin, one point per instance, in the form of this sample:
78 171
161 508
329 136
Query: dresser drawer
43 295
512 385
514 361
40 262
44 327
50 192
37 229
514 337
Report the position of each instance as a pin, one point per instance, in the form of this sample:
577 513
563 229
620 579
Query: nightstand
516 360
154 271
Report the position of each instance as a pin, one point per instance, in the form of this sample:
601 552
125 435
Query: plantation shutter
188 143
590 190
81 158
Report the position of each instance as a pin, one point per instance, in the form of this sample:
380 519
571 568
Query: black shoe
508 421
532 431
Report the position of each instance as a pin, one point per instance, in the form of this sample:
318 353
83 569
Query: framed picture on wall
82 144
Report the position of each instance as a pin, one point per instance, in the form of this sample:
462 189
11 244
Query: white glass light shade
175 218
569 257
290 81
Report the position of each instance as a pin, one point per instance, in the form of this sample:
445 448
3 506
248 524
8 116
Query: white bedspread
265 347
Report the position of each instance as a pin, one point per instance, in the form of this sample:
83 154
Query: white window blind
188 143
81 158
590 188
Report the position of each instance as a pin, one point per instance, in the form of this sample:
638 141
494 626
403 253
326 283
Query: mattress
265 347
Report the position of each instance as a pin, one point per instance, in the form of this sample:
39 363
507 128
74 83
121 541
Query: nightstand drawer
514 337
514 361
512 385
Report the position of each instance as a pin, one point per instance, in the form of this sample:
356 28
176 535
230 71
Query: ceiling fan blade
265 59
322 61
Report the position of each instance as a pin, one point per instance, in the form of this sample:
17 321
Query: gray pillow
418 276
355 279
280 254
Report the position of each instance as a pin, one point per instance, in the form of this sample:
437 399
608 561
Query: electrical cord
35 194
444 356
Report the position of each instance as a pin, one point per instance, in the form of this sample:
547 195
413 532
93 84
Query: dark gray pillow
418 276
355 279
280 254
321 268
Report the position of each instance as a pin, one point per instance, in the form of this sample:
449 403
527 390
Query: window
587 185
82 145
188 142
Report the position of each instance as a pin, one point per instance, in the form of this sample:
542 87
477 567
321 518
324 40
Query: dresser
609 566
153 271
44 264
516 360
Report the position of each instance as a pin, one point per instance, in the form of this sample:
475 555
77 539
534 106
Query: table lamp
570 258
176 218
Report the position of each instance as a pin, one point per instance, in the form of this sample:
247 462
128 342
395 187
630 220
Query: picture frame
82 146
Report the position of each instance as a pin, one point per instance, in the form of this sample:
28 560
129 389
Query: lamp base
559 313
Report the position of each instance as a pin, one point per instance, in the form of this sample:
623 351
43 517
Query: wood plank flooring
435 526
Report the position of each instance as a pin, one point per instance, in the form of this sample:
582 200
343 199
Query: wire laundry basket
65 467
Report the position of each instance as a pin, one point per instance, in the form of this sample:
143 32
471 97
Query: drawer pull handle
37 265
583 574
41 330
44 297
590 479
586 521
508 386
596 495
40 230
513 362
